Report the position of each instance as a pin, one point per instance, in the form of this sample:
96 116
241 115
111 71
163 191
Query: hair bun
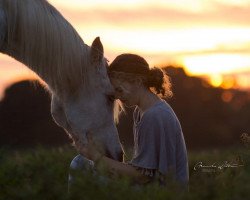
155 77
160 82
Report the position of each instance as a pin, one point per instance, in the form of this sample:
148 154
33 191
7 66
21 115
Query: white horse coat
36 34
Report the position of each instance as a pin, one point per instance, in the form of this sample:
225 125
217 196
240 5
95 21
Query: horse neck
52 48
60 80
15 53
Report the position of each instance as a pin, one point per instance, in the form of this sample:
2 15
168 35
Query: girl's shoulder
160 108
162 113
159 112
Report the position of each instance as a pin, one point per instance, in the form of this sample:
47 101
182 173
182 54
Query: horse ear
96 53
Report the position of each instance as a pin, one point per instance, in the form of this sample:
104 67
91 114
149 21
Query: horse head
91 109
36 34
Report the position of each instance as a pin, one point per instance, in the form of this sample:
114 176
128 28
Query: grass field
42 173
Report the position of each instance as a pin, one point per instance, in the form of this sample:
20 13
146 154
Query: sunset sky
207 37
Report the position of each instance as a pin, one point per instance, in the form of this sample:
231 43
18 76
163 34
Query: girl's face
125 91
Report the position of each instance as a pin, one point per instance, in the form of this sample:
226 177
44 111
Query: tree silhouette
206 119
25 117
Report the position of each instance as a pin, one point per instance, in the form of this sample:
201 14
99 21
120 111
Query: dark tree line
25 118
206 119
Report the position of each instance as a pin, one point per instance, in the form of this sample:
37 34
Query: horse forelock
48 44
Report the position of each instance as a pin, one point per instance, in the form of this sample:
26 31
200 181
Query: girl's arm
104 163
121 169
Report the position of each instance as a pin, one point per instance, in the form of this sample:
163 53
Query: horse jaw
111 140
82 114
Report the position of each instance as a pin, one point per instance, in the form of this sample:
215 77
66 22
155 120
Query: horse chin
77 136
109 142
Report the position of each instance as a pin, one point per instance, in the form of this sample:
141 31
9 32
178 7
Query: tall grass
42 173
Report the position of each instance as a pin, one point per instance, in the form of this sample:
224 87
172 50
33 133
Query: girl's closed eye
119 90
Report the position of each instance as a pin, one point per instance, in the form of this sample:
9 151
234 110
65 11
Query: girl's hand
89 150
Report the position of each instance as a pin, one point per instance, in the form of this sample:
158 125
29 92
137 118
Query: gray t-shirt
159 143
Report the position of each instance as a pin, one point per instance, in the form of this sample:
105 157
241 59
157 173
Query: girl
159 146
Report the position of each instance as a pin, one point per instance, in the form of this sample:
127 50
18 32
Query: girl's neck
147 99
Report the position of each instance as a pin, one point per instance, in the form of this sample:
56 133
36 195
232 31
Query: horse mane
47 43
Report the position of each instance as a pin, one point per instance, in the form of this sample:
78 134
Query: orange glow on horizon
216 63
202 36
216 80
14 78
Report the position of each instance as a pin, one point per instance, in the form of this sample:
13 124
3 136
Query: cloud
163 17
228 50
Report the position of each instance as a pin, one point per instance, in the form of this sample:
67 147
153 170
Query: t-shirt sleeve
156 143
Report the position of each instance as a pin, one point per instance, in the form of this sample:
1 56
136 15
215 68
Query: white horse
36 34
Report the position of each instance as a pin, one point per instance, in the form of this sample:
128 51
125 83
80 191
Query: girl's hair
130 66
